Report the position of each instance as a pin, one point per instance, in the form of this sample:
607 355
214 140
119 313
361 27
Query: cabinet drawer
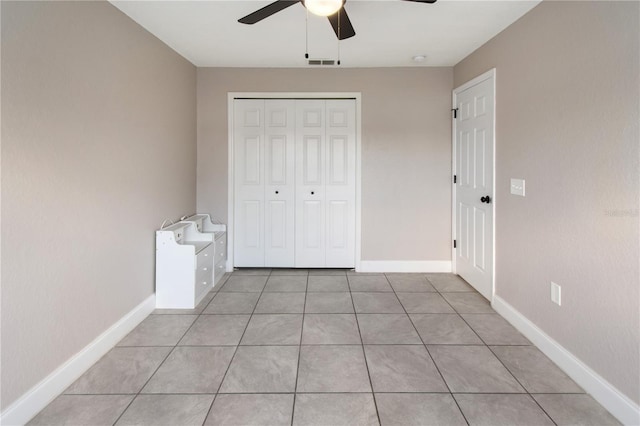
205 258
221 248
220 269
204 272
202 286
202 281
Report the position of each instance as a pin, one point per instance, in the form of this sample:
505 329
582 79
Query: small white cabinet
218 235
190 259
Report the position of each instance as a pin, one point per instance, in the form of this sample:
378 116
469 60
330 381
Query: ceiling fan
332 9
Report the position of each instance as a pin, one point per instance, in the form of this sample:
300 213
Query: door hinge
455 179
455 112
454 243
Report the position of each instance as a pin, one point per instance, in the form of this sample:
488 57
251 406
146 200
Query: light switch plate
517 187
556 294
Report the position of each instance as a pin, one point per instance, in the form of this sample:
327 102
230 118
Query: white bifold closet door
279 187
325 183
264 183
248 131
294 179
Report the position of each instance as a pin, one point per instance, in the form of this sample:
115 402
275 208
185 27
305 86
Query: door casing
231 97
489 75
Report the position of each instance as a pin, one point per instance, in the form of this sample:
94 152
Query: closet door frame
231 97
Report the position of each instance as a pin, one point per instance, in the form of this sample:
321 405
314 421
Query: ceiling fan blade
267 11
422 1
342 24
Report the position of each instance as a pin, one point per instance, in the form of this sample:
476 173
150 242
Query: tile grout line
494 354
487 346
426 348
366 363
154 372
326 392
325 344
166 357
295 388
236 350
521 385
215 295
221 380
173 348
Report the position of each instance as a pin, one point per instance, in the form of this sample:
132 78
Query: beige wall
567 122
98 147
406 149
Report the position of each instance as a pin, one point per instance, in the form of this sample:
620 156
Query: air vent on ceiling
323 62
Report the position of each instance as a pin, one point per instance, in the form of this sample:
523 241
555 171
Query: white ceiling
388 32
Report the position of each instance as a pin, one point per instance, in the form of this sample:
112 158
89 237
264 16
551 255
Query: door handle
486 199
277 192
312 192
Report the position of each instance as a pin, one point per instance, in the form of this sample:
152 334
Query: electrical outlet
517 187
556 294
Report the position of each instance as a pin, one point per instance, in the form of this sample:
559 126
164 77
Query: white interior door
310 185
340 185
279 183
474 188
249 246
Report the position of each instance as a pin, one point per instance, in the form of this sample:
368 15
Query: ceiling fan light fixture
323 7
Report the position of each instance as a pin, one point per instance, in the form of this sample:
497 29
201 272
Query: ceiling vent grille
322 62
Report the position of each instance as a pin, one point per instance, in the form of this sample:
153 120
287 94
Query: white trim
39 396
230 184
491 74
477 80
618 404
358 181
231 96
405 266
454 216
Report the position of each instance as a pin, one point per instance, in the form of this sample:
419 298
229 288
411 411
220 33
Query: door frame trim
489 75
231 97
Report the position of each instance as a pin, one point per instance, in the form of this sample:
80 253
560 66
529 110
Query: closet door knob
277 192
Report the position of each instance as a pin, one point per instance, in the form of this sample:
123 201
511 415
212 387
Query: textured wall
567 122
98 147
406 149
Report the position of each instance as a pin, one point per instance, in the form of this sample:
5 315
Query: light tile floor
327 347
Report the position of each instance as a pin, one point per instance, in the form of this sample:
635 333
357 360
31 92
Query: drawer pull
206 255
204 283
205 269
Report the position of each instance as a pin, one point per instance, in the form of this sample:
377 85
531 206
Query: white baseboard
618 404
39 396
405 266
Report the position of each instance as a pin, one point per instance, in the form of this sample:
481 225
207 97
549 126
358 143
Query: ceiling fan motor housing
323 7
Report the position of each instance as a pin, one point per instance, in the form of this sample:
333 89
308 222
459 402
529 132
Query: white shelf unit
218 232
184 266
